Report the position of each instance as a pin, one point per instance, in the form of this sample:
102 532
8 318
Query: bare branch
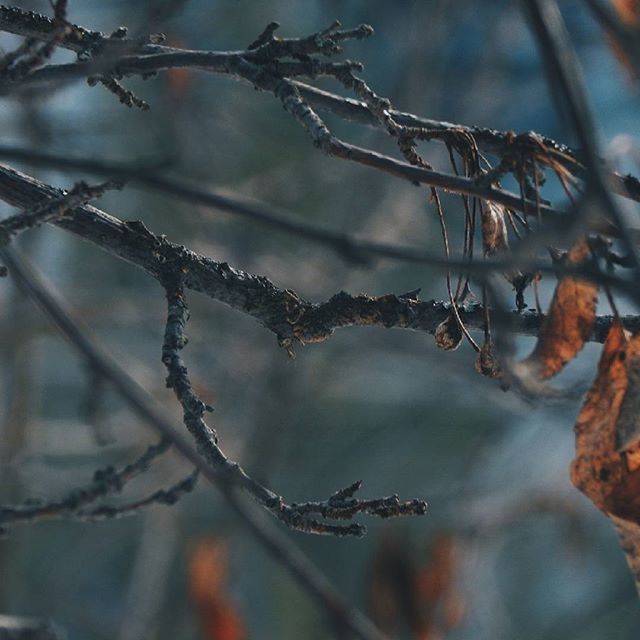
282 549
167 497
341 506
266 58
291 318
105 482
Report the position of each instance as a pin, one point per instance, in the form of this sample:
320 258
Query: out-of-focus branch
348 247
17 628
567 82
627 37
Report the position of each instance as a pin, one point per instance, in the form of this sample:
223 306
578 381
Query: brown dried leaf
629 536
607 474
569 322
628 426
448 334
598 466
494 228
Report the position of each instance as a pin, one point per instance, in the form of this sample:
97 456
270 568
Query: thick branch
291 318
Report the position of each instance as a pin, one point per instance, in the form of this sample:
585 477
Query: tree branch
105 482
156 57
341 506
291 318
282 549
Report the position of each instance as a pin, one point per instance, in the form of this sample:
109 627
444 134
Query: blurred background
508 549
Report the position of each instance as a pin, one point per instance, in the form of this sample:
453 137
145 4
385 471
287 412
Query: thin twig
105 482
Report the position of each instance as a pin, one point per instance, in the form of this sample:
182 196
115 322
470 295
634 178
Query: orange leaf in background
179 80
436 583
569 322
207 572
391 583
404 595
605 472
628 11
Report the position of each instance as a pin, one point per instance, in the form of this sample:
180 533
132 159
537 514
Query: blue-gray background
383 406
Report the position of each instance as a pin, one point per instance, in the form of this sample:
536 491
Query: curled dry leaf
628 426
569 322
494 228
609 475
597 470
448 334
